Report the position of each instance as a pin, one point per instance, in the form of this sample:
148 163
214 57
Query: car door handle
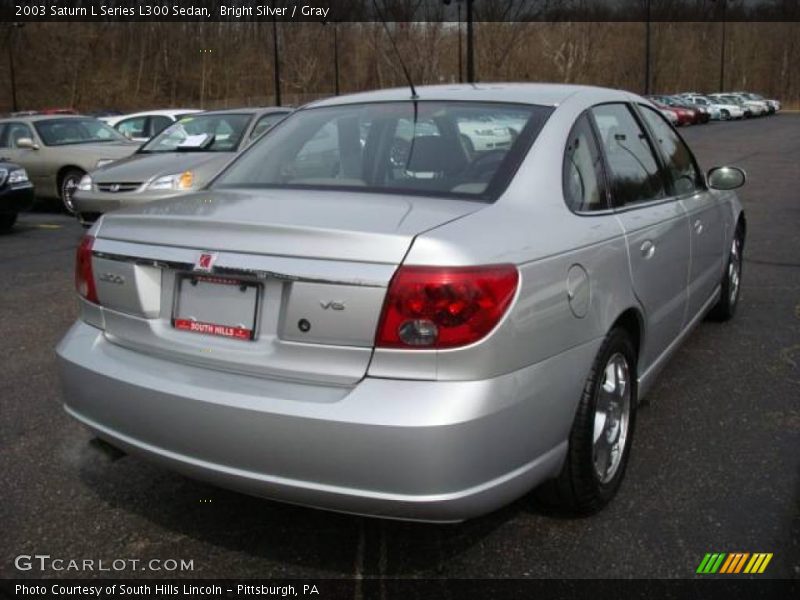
698 226
648 248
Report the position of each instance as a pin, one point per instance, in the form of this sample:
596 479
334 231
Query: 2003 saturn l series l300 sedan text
364 313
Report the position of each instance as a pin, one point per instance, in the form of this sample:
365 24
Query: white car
726 110
142 126
751 108
761 107
483 134
773 105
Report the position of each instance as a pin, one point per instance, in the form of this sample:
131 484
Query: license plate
216 306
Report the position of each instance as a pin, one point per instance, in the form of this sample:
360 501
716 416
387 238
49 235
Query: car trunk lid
282 284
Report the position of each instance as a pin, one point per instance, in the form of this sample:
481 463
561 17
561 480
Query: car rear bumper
417 450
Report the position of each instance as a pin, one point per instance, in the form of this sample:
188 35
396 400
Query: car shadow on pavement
269 539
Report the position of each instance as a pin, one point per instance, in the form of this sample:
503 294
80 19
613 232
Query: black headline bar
398 10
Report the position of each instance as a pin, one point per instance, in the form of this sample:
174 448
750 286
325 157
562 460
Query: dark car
16 193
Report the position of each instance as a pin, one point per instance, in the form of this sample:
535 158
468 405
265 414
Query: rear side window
265 123
133 127
632 165
583 173
678 157
11 133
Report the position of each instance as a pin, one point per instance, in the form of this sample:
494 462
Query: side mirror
26 144
726 178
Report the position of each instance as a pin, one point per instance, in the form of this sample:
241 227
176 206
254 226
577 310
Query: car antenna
414 95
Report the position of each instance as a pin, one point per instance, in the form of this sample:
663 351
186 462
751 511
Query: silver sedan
366 312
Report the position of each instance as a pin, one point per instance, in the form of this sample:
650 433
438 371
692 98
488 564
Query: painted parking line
41 225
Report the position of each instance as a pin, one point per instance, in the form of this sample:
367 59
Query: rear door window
677 156
583 171
633 169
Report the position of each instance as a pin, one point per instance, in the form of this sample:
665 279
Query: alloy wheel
611 418
68 187
734 270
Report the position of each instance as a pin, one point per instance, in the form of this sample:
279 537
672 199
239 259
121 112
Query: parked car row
59 151
95 165
692 108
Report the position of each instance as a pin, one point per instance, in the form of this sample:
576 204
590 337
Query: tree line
128 66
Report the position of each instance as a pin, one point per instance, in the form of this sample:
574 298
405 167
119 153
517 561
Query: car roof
160 111
247 110
544 94
34 118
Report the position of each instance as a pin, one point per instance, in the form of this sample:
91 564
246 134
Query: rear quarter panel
529 226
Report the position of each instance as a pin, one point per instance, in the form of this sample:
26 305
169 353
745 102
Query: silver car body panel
436 435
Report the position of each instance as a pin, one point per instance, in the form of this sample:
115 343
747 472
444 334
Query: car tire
730 288
7 221
67 186
587 483
725 115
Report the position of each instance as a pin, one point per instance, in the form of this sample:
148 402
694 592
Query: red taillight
84 279
444 307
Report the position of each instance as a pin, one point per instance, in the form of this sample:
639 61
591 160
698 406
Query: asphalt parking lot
715 464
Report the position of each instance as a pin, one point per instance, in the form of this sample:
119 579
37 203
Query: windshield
209 133
457 149
61 132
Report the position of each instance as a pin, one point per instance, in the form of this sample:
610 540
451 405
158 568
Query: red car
686 116
57 111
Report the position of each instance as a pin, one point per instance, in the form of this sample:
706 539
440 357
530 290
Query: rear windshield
207 133
453 149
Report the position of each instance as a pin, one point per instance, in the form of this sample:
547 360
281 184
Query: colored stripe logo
734 563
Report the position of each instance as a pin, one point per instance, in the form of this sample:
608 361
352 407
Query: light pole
335 55
335 59
276 68
470 41
647 53
470 45
722 51
460 52
11 69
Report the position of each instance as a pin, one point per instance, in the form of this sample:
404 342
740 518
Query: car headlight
85 184
17 176
103 162
178 181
